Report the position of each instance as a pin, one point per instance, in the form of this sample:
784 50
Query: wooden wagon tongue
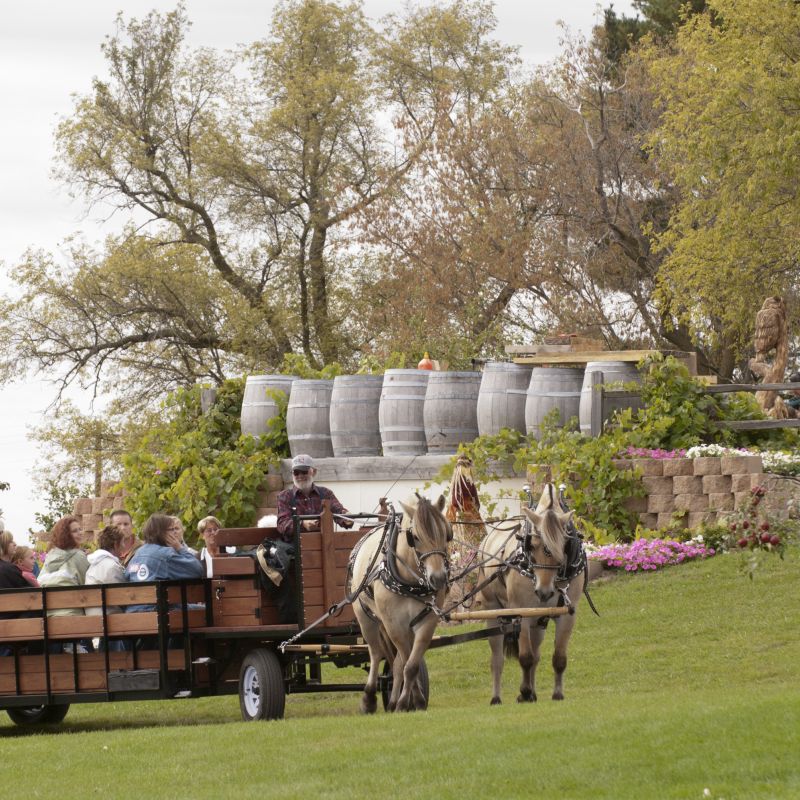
502 613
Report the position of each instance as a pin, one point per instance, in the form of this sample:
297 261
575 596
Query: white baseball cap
302 461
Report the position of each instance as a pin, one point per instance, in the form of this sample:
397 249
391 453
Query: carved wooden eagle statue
770 327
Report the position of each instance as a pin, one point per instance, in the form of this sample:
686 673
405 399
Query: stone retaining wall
690 491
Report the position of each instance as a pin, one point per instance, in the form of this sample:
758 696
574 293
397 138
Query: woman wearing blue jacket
164 556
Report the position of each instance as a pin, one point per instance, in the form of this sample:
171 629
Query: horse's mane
430 522
553 533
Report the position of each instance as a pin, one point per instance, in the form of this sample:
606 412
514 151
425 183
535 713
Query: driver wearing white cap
304 498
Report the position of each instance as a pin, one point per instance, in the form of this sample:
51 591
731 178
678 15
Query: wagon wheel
387 681
38 715
262 693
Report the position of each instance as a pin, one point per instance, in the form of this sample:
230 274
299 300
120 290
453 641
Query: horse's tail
511 645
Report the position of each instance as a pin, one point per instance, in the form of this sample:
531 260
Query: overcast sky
48 51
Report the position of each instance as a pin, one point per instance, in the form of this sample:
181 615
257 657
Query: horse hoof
391 707
558 696
369 703
495 701
526 697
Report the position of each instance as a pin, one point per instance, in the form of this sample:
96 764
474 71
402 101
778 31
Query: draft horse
538 564
400 574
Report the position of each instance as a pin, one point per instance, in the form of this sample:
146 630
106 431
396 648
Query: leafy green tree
728 138
661 18
242 174
192 464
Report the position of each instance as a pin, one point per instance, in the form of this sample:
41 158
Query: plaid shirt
312 504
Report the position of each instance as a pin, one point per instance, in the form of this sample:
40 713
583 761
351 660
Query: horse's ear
449 532
532 515
408 510
440 503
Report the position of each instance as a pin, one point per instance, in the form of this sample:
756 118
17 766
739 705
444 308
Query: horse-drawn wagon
215 636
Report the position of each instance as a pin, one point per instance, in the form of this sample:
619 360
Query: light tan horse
400 584
536 552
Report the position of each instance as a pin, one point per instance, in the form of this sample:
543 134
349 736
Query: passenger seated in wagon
164 556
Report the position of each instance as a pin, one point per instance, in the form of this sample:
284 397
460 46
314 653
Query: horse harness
389 575
574 563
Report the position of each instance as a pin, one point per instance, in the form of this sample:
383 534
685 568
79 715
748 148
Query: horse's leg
564 626
530 642
496 643
369 700
370 630
409 697
398 668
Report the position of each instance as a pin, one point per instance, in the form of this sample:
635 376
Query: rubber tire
386 683
262 693
38 715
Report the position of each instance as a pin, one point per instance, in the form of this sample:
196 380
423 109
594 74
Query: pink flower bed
643 452
649 554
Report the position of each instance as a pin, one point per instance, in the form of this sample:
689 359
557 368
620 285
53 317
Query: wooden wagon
204 637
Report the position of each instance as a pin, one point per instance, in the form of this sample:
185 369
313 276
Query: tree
242 175
728 137
192 464
660 18
536 211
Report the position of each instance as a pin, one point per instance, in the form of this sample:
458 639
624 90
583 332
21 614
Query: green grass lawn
685 687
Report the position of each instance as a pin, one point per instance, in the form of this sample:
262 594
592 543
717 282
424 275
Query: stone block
91 522
687 484
741 500
83 505
678 466
722 501
622 463
657 485
97 505
649 521
741 483
272 499
660 503
273 483
119 503
759 479
638 505
694 519
707 466
107 487
649 467
740 465
671 520
691 502
716 484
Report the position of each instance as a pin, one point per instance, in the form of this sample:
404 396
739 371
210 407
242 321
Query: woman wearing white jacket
105 566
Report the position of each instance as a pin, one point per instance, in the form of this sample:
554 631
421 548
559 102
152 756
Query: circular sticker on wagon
143 573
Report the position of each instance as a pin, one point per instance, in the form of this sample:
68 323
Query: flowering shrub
781 463
644 452
650 554
717 450
777 462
